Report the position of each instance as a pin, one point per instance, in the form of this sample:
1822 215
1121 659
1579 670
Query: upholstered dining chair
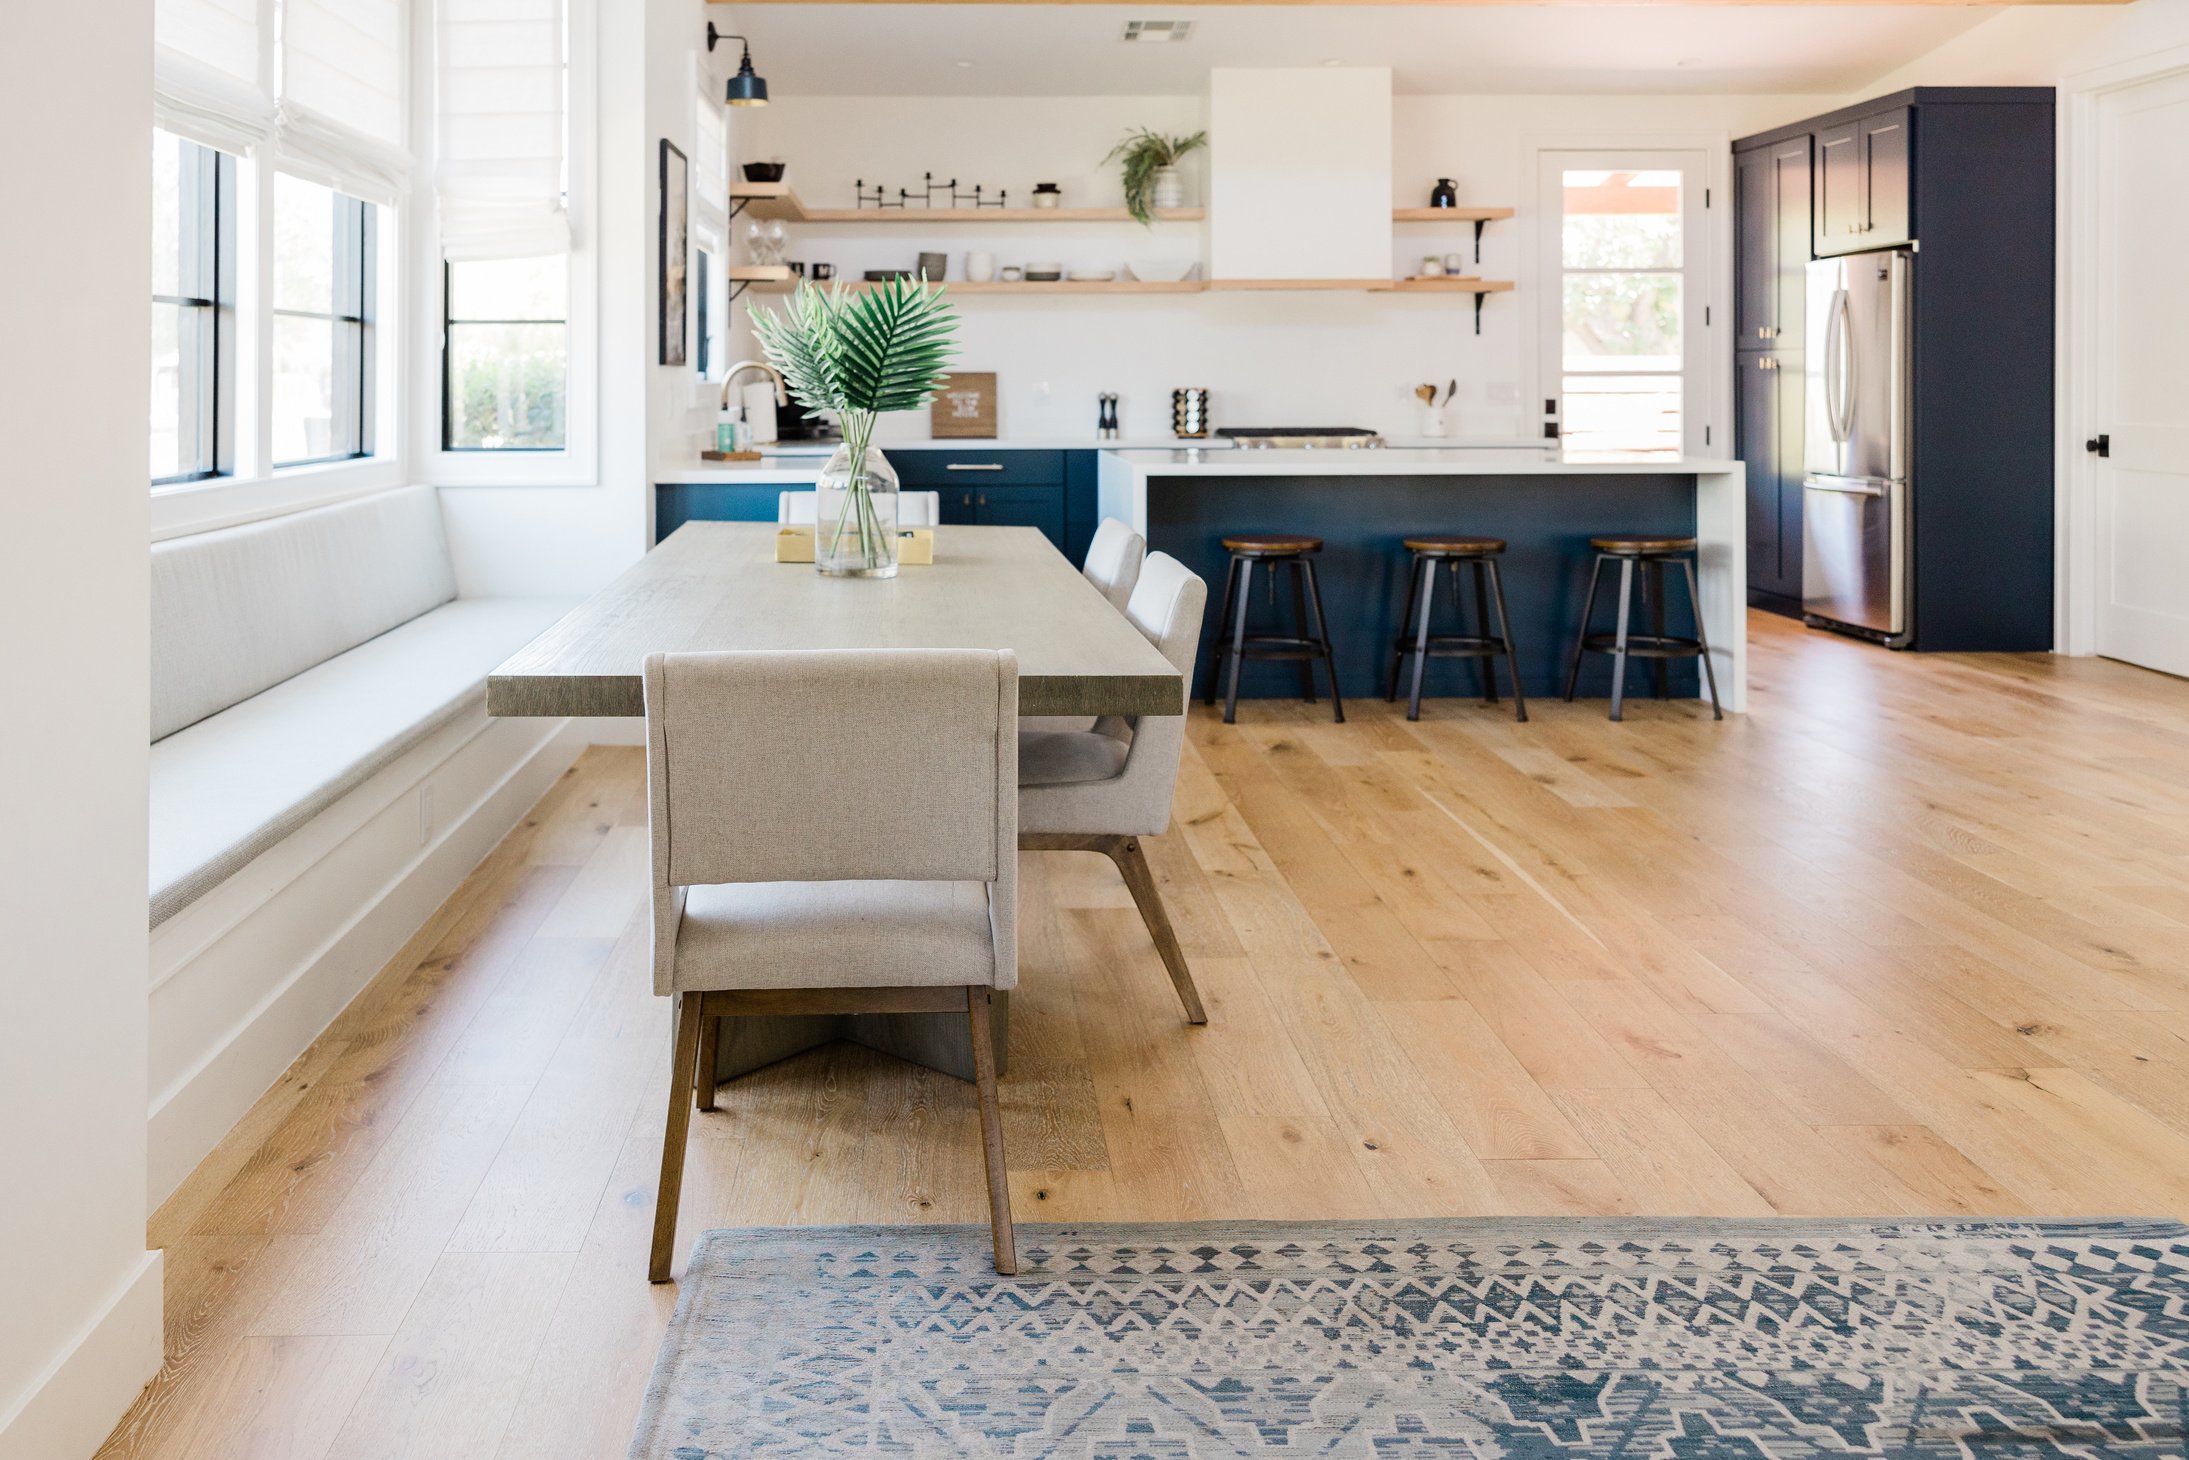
1103 789
1113 561
914 509
798 868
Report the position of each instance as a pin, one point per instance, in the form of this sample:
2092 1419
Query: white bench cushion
242 609
232 785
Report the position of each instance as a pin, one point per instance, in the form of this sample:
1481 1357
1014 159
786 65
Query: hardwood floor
1910 938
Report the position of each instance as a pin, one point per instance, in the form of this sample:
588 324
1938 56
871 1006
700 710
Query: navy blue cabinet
998 486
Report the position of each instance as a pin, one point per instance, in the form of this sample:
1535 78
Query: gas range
1300 438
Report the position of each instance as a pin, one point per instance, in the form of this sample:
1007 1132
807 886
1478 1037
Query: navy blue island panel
1546 522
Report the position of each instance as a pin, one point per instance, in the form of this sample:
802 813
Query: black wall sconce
747 87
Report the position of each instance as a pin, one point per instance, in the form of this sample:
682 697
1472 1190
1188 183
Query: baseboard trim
197 1107
68 1410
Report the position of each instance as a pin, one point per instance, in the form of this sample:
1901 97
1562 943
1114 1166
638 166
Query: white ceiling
1076 50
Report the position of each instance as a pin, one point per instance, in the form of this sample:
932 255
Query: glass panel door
1622 252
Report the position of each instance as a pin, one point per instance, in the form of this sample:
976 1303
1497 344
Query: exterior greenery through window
1623 257
505 355
193 315
324 262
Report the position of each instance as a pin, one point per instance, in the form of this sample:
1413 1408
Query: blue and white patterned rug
1463 1340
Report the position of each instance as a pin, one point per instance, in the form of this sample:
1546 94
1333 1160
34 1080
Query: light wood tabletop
716 585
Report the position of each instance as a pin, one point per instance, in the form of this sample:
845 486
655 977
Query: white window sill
188 507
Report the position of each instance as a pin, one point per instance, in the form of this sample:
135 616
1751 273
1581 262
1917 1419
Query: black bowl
765 171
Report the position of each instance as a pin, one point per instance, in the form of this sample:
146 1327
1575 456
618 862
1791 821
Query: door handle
2099 445
1847 486
973 466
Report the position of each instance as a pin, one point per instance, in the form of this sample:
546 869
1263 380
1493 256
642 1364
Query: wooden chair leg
681 1070
710 1043
1132 865
991 1129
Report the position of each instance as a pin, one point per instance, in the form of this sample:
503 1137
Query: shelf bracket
738 205
1478 242
739 286
1478 305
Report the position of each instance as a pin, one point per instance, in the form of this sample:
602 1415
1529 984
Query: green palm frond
882 350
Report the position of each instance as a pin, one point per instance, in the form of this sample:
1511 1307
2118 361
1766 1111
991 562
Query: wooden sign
964 406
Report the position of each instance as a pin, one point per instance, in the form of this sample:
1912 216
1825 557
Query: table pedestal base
939 1041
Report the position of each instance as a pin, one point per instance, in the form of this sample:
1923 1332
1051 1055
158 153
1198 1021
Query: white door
2140 381
1625 266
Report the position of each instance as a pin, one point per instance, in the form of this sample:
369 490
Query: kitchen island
1363 502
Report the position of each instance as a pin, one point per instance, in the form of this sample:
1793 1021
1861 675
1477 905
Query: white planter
1168 188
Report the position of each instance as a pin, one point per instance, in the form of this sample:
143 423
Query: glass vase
855 513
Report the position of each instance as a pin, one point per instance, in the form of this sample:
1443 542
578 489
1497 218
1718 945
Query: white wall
79 1295
2041 45
1337 358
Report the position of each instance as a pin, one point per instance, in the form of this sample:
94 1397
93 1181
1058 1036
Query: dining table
713 586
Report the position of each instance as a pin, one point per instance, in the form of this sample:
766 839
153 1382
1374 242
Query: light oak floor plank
1912 937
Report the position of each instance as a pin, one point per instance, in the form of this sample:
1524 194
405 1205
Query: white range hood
1300 174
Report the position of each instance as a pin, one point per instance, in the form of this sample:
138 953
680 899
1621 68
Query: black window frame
449 325
206 214
356 226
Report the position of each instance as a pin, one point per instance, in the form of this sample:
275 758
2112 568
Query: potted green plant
859 355
1151 170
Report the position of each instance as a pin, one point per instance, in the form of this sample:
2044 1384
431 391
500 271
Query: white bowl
1162 271
1092 276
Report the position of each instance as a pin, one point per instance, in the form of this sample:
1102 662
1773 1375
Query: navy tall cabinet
1965 176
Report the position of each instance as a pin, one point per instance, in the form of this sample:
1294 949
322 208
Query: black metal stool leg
1710 675
1322 637
1505 636
1619 641
1223 624
1299 614
1654 570
1421 634
1581 640
1482 617
1239 639
1413 596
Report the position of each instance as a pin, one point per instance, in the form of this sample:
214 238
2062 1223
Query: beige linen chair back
831 765
914 509
1113 561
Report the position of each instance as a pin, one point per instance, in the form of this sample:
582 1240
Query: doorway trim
2076 548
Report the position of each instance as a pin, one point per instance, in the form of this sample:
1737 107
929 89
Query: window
711 296
193 322
1627 306
323 266
505 355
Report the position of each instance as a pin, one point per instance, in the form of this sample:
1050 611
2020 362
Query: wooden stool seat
1308 647
1271 544
1640 545
1455 547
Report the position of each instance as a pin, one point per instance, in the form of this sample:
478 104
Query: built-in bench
317 681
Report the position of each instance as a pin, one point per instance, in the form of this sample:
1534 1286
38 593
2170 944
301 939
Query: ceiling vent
1157 32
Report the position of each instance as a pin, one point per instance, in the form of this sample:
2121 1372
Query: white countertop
1400 461
797 463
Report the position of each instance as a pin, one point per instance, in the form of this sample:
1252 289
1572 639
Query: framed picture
964 405
676 184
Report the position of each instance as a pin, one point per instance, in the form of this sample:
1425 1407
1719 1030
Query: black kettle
1445 194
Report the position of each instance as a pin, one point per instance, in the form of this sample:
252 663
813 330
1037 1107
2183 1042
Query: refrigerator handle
1842 365
1831 365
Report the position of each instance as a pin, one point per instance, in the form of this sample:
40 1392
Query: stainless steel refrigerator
1857 560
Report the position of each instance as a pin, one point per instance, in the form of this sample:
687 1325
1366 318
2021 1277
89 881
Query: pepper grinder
1106 415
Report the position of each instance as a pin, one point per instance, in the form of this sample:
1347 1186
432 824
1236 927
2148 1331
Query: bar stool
1235 645
1651 553
1430 553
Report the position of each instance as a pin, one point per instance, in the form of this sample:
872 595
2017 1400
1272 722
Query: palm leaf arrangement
860 355
1145 153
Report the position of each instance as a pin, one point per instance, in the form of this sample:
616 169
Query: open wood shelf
776 200
1449 215
757 273
1042 286
1449 284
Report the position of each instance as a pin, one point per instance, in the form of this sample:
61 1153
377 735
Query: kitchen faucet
782 393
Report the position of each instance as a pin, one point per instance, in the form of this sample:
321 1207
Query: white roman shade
206 83
711 163
498 167
342 96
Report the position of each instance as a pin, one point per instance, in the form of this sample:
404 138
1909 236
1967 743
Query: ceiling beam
1465 4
